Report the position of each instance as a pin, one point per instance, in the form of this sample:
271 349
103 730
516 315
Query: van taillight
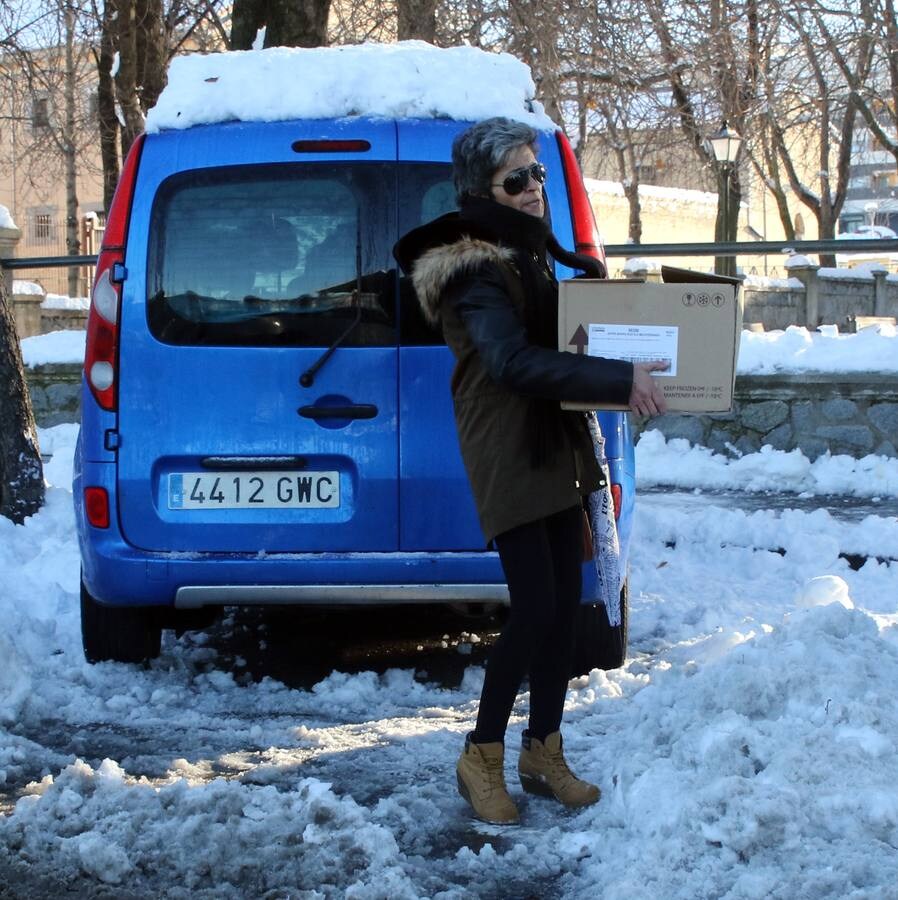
101 354
96 505
586 234
616 500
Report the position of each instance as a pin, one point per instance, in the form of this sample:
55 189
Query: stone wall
63 320
854 414
55 393
35 316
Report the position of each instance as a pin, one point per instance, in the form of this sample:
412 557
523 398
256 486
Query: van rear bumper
116 574
193 597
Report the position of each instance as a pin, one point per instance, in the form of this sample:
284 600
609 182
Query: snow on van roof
408 79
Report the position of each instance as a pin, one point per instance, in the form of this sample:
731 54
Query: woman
483 275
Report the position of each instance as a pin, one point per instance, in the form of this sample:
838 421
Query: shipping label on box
695 328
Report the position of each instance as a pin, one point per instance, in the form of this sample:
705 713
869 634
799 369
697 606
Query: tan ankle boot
481 781
543 771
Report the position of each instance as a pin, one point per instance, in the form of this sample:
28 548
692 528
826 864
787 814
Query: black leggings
542 564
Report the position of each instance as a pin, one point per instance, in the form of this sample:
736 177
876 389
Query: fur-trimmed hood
439 265
484 231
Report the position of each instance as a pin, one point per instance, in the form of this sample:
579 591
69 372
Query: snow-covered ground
747 749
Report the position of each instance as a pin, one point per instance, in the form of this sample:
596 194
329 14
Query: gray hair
482 149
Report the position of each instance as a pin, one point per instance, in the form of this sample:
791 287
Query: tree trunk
726 227
417 20
634 229
126 84
288 23
297 23
107 119
72 242
151 42
247 17
21 471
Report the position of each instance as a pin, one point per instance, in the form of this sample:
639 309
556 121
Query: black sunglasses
516 181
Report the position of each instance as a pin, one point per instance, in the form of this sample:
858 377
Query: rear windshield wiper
307 379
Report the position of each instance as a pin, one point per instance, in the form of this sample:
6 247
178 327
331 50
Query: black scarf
531 239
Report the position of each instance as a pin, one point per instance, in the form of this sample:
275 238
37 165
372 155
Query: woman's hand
646 398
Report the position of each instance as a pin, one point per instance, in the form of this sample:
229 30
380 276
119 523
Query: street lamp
725 146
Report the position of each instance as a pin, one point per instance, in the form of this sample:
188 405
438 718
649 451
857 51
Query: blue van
266 416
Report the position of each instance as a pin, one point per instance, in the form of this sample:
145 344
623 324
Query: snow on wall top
6 220
405 79
656 192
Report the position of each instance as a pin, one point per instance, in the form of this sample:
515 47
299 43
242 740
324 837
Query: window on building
882 181
40 112
646 174
41 225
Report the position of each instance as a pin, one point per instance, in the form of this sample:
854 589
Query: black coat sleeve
498 333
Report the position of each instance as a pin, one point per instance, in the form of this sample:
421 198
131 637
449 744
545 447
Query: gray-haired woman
483 274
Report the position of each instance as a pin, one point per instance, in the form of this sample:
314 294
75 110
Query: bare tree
712 52
809 118
612 60
861 39
48 95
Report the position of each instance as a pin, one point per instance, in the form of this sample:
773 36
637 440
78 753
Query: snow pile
824 590
796 350
28 288
40 565
640 264
677 462
761 764
55 347
61 301
773 284
6 219
119 830
814 538
404 79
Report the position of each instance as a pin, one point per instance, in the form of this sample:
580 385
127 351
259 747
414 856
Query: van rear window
275 255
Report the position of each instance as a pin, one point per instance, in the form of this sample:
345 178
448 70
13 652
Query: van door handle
351 411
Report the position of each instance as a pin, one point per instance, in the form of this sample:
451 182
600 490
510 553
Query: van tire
129 634
598 645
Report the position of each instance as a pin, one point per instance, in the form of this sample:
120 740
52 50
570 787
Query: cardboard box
696 324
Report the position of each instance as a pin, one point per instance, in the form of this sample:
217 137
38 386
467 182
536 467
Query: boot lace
558 769
495 774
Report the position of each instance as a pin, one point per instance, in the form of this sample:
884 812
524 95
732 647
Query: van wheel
597 645
116 633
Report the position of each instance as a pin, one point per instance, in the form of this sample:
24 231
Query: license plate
254 490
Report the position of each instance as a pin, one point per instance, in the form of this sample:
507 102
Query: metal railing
757 248
727 248
46 262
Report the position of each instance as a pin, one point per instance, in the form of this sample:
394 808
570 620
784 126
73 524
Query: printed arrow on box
579 340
